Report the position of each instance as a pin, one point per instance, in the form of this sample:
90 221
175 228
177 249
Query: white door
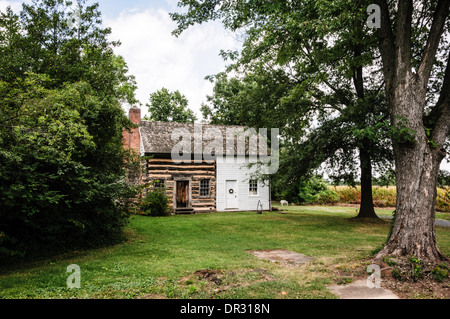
231 195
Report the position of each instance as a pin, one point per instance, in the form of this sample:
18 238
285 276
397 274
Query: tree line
61 121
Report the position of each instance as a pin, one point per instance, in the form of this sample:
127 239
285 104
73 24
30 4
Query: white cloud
159 59
16 6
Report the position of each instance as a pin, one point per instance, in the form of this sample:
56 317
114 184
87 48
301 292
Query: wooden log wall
170 172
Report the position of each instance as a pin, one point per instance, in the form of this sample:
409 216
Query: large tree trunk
418 158
417 162
413 233
366 209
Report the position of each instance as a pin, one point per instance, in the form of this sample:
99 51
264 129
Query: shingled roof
162 137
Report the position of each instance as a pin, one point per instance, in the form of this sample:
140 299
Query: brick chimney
132 140
135 115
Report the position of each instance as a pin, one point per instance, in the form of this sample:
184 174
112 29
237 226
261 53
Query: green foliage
416 267
155 203
289 75
443 178
386 179
397 274
389 261
168 106
309 191
61 156
440 272
316 191
53 195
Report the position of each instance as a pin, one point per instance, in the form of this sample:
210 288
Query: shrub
155 203
316 191
61 180
328 197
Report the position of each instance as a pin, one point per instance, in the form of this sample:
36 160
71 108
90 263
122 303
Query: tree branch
437 28
403 38
387 46
441 112
342 98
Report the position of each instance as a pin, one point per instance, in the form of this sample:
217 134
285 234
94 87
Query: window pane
253 187
204 187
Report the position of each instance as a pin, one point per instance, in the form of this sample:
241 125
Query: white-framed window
253 187
205 189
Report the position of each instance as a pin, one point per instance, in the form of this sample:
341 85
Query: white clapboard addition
236 188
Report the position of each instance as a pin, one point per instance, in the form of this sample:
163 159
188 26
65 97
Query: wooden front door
182 194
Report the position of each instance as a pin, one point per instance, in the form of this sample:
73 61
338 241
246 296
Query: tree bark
413 232
418 158
366 209
417 165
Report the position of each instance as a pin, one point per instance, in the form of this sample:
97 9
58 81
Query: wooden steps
184 211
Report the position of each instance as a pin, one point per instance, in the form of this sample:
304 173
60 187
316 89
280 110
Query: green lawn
162 255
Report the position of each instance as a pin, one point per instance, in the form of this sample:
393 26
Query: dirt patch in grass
284 257
425 287
214 276
422 289
215 282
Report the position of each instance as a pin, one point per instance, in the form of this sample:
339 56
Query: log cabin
202 168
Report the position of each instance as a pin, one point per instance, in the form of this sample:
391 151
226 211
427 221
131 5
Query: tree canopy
368 84
317 82
166 106
61 122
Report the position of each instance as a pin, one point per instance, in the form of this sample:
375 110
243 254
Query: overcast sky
156 57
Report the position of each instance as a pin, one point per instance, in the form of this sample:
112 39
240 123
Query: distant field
386 196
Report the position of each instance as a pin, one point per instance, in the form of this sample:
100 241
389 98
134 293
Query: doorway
231 195
182 196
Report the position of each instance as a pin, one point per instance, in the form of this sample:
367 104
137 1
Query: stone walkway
359 290
355 290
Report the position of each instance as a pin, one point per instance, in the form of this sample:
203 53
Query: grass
162 257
